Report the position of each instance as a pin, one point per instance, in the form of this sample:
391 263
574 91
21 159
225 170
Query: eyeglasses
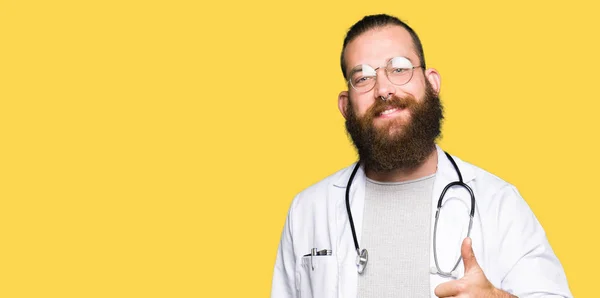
399 70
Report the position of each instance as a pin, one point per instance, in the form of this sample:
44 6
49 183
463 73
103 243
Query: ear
433 76
343 102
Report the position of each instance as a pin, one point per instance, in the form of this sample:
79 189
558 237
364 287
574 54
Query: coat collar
444 168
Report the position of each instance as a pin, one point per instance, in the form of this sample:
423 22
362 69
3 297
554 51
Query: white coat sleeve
284 275
532 269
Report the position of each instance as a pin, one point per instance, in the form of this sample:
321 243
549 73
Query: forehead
376 46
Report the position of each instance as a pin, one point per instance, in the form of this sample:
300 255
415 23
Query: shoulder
317 192
484 182
495 196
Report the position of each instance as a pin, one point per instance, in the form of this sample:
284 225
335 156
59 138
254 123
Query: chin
393 128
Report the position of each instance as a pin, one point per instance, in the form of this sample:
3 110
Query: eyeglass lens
399 71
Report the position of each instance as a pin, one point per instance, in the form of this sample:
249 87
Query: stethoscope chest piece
361 260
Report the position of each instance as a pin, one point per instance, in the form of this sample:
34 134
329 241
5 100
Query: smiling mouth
389 112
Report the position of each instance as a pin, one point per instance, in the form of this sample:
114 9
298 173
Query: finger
447 289
468 256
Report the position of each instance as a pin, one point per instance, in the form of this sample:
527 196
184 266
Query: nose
383 87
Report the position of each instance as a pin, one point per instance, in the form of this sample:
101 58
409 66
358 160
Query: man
373 229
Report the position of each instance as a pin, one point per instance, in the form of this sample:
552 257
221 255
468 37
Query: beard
399 143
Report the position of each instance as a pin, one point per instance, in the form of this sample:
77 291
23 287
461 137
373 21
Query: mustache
379 106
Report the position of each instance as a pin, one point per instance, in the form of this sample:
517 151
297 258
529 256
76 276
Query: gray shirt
396 232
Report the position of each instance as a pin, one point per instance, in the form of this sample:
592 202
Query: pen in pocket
315 252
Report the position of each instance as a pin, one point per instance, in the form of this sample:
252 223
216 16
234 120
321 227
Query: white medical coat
509 243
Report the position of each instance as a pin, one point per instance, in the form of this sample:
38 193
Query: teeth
388 111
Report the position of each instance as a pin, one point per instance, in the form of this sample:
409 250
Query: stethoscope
363 255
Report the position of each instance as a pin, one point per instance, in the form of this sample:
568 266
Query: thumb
468 256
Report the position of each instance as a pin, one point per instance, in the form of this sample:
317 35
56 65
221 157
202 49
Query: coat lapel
346 255
453 220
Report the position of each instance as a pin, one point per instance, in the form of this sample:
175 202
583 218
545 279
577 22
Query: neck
426 168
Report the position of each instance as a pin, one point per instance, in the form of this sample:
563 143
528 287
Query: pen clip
313 252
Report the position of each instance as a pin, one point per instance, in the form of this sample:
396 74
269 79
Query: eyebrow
354 70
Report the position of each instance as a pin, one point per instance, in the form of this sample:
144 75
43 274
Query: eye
362 80
398 70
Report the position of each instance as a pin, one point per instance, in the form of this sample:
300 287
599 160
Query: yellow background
152 148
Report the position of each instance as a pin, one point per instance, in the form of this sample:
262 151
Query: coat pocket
319 277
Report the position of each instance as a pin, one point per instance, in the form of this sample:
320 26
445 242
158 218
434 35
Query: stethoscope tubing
460 183
348 206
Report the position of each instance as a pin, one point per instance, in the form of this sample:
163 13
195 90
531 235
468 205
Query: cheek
416 88
360 104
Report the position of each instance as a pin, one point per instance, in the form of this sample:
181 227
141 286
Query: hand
473 283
